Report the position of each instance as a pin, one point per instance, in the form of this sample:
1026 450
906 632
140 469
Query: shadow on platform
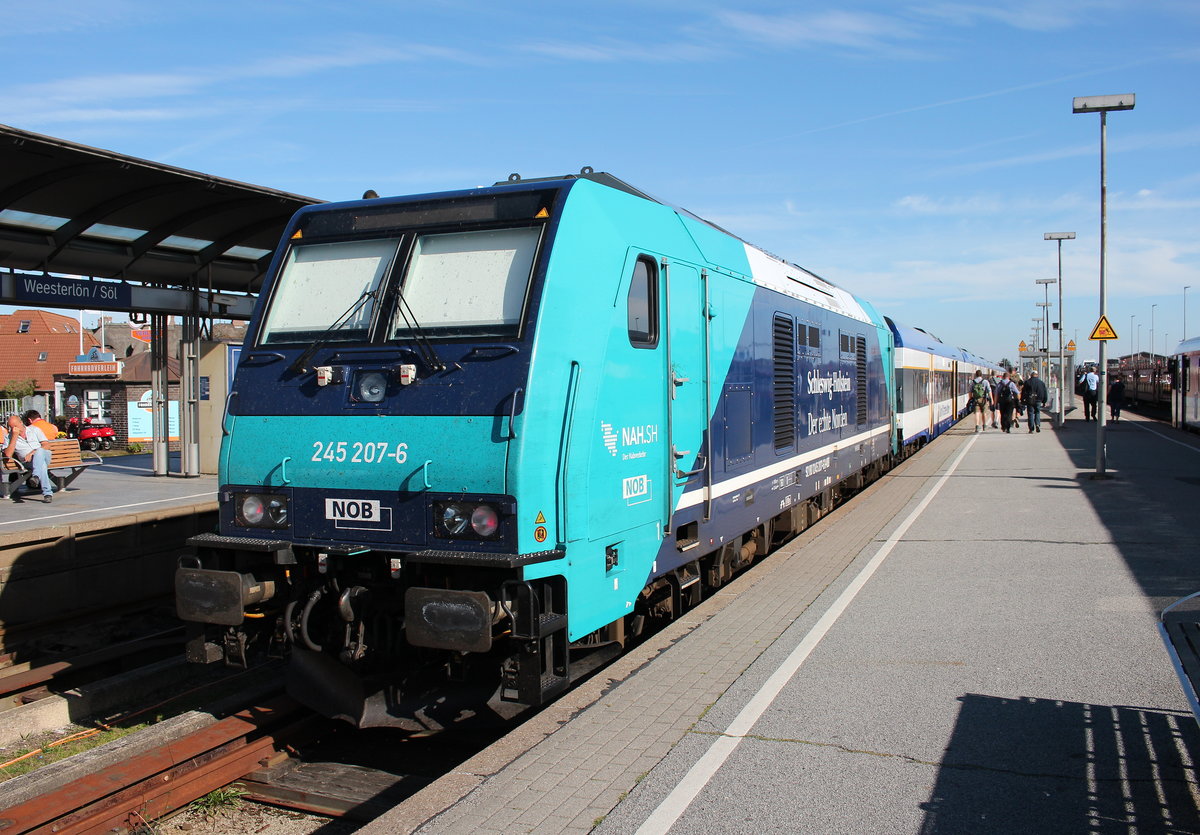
1041 765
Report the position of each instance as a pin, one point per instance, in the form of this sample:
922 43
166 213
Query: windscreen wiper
301 363
425 347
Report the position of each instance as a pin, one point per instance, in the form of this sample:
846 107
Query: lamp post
1102 105
1046 282
1138 348
1059 237
1131 353
1152 331
1186 287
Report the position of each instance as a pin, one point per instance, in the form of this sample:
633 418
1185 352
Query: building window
642 304
23 327
43 356
97 404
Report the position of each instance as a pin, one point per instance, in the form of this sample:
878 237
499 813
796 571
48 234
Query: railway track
128 794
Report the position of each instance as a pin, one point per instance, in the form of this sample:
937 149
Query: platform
969 645
121 485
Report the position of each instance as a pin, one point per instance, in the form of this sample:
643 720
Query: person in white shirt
29 444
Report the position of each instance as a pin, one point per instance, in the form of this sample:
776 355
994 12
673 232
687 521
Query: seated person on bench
34 418
29 444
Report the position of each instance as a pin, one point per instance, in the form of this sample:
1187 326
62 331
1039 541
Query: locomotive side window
469 283
643 304
319 283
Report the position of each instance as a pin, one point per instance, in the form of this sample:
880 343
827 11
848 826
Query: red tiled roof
54 334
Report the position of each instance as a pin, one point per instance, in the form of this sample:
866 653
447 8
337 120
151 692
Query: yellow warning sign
1022 346
542 213
299 234
1071 345
541 520
1103 330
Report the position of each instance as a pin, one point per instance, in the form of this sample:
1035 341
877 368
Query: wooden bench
1180 633
66 463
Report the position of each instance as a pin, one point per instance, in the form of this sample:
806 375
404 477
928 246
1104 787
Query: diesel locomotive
476 439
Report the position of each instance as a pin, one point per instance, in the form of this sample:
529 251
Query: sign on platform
1071 345
73 292
1103 330
1022 346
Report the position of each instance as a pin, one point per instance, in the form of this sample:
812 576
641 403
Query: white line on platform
1138 424
210 494
669 811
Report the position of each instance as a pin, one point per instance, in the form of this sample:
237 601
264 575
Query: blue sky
913 153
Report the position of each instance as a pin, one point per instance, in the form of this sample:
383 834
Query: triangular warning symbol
299 234
1103 330
541 520
542 213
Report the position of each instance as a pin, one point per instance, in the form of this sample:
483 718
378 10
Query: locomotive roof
768 269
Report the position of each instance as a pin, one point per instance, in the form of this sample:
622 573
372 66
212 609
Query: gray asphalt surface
1000 672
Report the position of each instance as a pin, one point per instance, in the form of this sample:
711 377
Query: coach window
643 304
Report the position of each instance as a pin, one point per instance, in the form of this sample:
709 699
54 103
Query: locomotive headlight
255 510
455 518
252 510
277 511
484 521
469 519
370 387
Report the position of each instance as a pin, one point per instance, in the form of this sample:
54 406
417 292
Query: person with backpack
1006 401
1034 394
1091 394
980 394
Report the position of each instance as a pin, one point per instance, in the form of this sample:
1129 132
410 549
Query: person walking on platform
1006 401
994 384
29 444
1116 397
981 399
1091 394
1034 395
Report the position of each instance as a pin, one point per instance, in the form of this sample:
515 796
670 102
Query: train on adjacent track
1185 388
477 439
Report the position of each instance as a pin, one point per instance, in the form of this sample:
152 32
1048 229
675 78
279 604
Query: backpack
1005 393
979 390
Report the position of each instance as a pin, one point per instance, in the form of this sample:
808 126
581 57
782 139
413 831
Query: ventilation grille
860 369
784 388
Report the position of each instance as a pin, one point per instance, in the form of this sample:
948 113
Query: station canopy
74 210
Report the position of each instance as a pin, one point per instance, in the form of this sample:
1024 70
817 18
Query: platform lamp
1059 237
1186 287
1102 105
1152 332
1046 282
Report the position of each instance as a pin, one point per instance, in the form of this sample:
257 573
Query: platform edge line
676 803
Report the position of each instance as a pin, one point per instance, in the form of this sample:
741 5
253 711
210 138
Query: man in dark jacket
1116 397
1034 396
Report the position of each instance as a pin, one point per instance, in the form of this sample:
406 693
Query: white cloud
611 50
858 32
1031 16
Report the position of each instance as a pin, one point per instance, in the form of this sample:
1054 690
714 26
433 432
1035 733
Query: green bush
134 448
